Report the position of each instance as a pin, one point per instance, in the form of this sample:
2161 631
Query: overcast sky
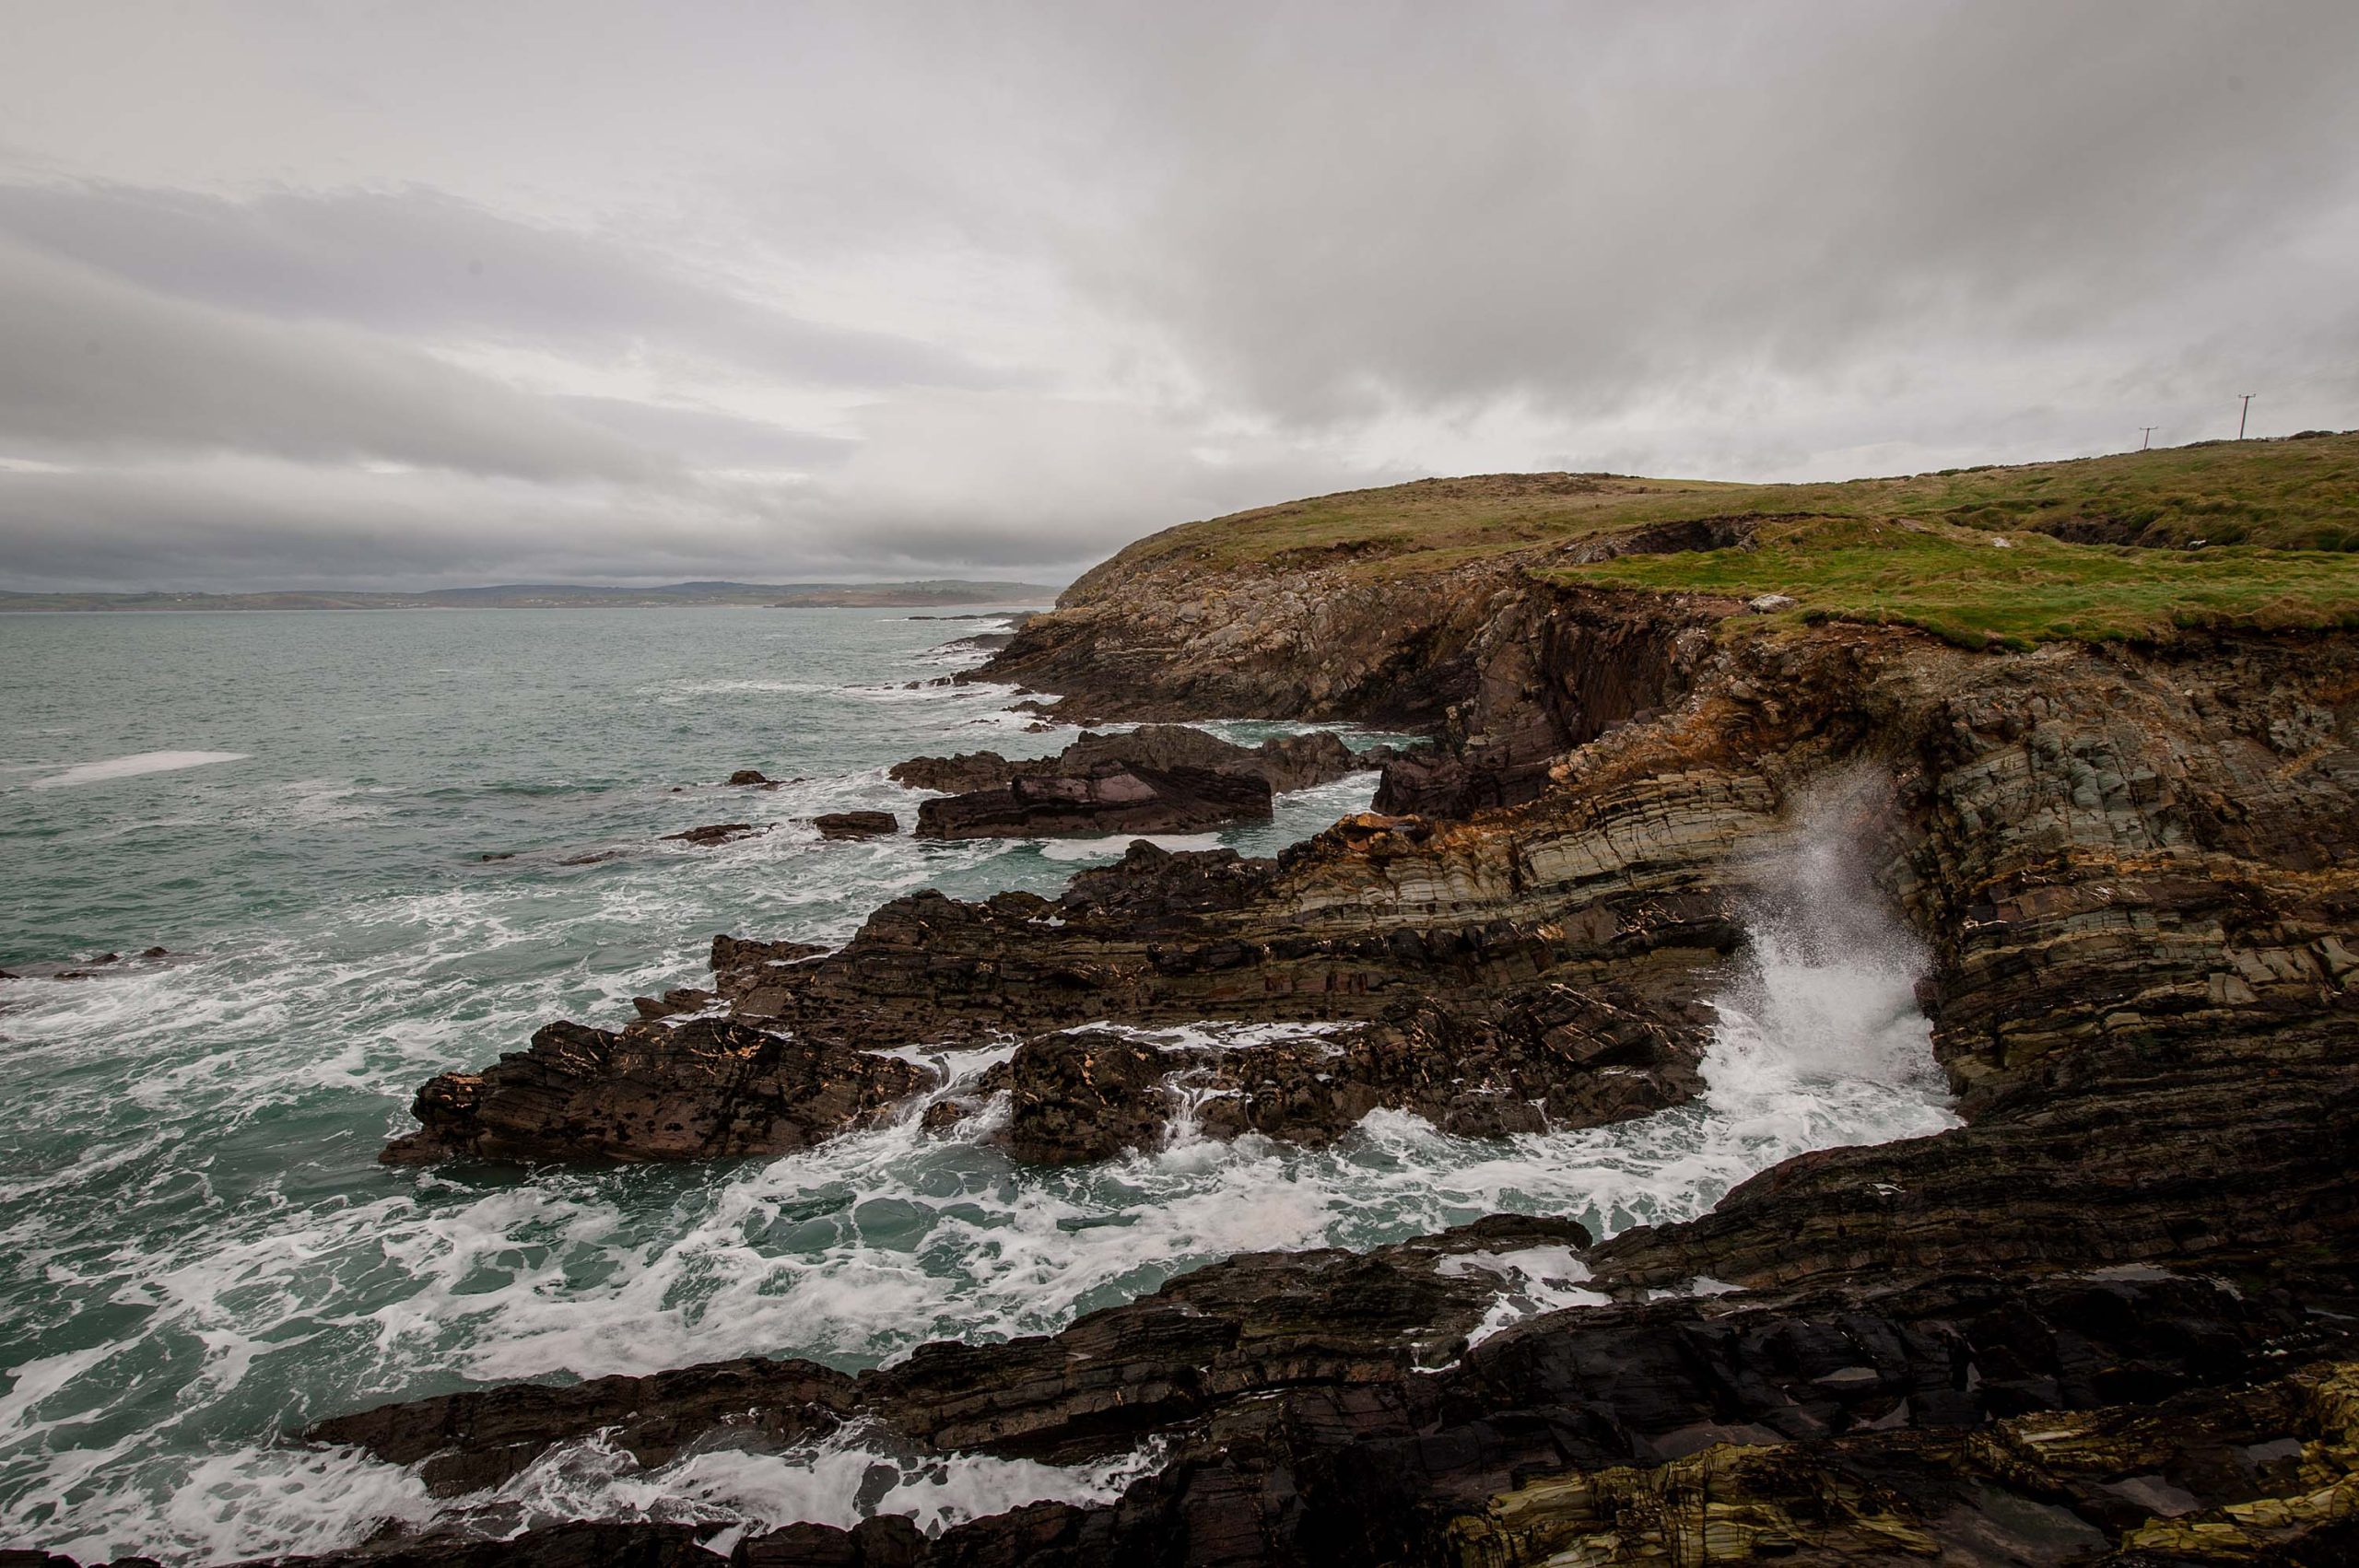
408 294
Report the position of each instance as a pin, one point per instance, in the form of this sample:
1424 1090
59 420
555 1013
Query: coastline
2107 1316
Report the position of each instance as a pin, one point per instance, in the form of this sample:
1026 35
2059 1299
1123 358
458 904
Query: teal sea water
199 1252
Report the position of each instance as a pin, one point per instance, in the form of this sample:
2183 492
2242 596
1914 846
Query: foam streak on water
198 1251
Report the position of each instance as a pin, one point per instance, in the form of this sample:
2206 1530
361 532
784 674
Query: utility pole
2148 432
2242 412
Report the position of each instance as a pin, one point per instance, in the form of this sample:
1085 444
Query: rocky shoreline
2109 1319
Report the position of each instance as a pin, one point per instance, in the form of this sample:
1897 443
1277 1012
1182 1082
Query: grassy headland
1976 588
2262 534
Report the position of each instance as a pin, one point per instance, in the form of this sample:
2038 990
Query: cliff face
1310 638
2108 1320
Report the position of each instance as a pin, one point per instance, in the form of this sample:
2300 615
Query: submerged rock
715 833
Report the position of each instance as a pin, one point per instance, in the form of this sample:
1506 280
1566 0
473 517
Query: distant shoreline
949 595
1011 605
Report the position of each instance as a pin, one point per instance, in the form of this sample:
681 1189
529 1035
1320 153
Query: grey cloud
705 438
1114 267
1432 207
422 261
974 488
91 366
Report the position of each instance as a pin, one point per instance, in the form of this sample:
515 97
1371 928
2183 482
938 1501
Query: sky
412 294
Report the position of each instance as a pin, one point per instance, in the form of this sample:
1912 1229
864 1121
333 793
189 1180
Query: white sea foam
1532 1280
839 1480
133 766
1115 846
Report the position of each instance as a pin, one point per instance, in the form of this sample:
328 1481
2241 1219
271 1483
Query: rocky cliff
2108 1320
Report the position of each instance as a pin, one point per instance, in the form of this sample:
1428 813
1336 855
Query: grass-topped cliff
2256 534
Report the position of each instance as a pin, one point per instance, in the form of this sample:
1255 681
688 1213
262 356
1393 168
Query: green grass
2278 521
2295 494
1963 585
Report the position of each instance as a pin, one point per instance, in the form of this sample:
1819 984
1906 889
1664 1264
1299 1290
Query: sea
200 1255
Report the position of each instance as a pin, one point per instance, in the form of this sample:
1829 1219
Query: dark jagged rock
745 970
703 1089
856 825
1150 883
673 1003
1308 1429
1286 762
1554 1059
750 776
714 833
1111 797
1085 1096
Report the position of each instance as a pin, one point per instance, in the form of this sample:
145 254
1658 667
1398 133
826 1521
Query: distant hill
569 596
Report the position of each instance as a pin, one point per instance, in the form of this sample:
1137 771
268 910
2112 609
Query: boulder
856 825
